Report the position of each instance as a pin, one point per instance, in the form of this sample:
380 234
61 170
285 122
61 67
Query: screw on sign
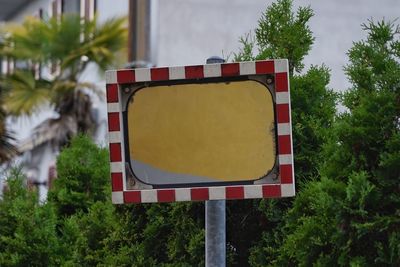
204 132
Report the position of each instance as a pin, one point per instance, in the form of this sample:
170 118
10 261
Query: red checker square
132 197
112 93
270 191
199 194
113 121
284 144
234 192
159 74
115 152
167 195
282 113
265 67
286 173
281 82
230 69
126 76
194 72
116 181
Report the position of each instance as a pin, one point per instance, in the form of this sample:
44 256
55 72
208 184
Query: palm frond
73 43
7 140
7 144
26 95
64 35
26 41
100 42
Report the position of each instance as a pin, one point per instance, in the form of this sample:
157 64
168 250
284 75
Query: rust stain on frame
223 132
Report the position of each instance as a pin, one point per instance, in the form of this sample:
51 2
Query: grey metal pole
215 233
142 33
215 221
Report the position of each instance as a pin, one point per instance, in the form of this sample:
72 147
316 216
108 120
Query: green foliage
69 42
54 53
94 232
66 39
317 206
245 220
281 33
82 177
363 153
171 234
313 112
246 52
28 229
336 224
27 95
85 236
7 139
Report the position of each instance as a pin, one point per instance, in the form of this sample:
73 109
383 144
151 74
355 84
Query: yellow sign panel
204 132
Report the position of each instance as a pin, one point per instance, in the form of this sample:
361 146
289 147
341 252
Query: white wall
109 8
31 9
192 30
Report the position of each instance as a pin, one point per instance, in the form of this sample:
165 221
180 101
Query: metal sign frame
119 84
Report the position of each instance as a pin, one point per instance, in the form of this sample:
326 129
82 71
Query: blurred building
37 147
185 32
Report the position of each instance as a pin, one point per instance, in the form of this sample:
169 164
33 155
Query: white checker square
212 70
287 190
182 194
116 167
176 73
114 137
113 107
282 97
111 76
281 65
284 128
117 197
142 75
285 159
253 191
247 68
216 193
149 196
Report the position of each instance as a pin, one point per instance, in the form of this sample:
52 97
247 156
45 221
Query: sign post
215 245
210 133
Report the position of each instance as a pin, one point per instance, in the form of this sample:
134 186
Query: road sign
215 131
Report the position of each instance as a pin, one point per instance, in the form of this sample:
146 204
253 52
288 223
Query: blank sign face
199 133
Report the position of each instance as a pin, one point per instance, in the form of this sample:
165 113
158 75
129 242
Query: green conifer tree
28 235
351 217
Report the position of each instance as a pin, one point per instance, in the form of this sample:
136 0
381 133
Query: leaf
25 98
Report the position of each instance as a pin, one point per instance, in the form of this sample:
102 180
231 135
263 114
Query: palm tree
7 147
63 48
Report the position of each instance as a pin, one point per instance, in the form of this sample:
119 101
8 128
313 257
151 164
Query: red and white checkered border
277 67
